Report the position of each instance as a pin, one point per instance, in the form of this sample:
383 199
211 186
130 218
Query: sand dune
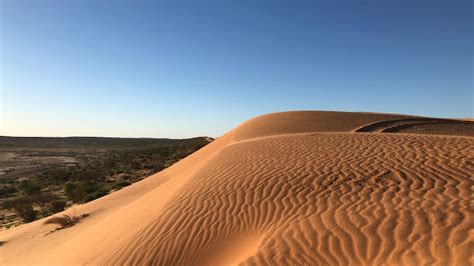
294 188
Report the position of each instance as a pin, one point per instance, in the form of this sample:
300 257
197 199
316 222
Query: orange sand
294 188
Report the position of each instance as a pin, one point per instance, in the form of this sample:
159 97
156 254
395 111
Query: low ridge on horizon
448 119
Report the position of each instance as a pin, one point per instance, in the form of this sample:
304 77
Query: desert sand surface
293 188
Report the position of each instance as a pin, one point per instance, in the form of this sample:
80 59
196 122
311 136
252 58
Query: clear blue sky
158 69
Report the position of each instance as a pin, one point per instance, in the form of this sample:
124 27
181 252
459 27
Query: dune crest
293 188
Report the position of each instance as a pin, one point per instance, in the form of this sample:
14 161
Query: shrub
24 209
136 165
149 166
57 175
95 195
122 184
87 175
41 199
158 166
57 205
80 191
30 187
26 213
75 191
127 177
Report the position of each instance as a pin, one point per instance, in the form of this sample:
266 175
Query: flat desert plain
292 188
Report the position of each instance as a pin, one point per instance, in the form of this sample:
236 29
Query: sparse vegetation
31 188
89 168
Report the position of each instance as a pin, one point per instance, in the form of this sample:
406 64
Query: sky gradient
193 68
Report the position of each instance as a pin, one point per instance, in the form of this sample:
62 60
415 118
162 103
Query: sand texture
294 188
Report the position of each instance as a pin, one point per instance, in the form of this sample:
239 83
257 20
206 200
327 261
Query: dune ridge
292 188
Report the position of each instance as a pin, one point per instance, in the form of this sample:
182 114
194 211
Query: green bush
57 205
95 195
30 187
41 198
148 166
23 206
136 165
158 166
57 175
122 184
75 191
88 175
26 212
80 192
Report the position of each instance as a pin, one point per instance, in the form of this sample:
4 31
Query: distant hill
88 142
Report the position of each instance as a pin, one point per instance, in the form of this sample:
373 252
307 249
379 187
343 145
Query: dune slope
318 188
